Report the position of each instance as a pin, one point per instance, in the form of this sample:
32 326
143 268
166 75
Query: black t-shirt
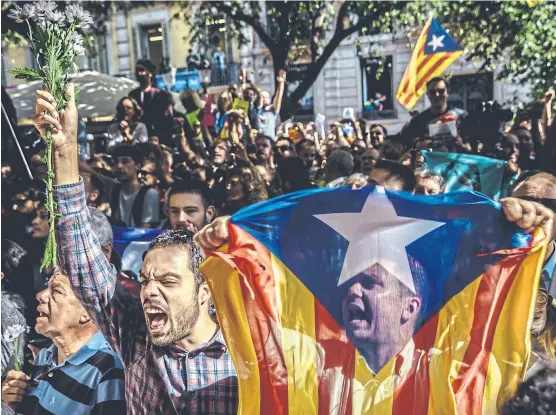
419 126
158 112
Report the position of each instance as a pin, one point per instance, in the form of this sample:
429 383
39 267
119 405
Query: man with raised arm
173 352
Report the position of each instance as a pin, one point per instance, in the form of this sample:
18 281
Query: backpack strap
115 199
137 208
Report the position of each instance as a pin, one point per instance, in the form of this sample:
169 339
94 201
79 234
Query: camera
485 124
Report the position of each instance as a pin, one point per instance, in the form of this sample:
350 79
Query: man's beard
182 321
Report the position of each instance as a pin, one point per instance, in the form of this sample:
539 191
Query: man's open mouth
156 319
356 312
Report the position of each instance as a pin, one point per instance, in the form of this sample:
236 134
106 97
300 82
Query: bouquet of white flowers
55 39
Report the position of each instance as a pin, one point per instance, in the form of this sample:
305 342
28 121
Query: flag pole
17 142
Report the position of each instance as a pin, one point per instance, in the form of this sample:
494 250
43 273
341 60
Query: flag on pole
434 52
334 301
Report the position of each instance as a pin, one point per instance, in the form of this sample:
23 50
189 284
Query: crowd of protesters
161 169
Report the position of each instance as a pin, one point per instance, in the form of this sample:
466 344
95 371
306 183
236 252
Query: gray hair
101 226
428 174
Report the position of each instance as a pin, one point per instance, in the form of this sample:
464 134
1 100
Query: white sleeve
114 137
141 134
151 208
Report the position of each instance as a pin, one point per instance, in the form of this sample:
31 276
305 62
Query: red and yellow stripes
420 69
292 357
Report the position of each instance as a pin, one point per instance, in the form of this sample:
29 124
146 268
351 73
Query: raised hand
213 235
64 124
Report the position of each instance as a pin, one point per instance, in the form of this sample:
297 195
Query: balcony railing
380 115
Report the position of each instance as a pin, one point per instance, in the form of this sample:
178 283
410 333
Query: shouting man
174 355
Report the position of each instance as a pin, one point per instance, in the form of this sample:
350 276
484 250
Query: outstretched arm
114 310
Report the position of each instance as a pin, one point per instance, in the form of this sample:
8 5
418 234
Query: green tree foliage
510 33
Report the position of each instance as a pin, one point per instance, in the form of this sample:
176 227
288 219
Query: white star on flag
436 42
377 235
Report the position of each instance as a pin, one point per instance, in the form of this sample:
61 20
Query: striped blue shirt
91 381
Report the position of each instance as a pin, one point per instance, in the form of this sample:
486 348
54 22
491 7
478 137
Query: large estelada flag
336 301
434 52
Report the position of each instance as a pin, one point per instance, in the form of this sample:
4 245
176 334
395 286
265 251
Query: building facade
353 75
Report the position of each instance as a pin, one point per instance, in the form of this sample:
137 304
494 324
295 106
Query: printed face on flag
383 291
379 314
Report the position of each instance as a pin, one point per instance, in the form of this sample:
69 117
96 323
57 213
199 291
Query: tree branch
251 21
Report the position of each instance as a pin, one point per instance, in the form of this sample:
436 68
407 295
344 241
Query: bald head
536 187
541 188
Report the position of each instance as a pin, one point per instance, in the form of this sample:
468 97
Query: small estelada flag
434 52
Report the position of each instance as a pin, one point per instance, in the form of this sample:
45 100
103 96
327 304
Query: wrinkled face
234 189
126 169
438 94
427 186
308 155
59 309
129 110
264 149
147 175
40 224
284 149
186 210
356 183
377 136
371 311
169 295
368 161
382 177
221 153
265 98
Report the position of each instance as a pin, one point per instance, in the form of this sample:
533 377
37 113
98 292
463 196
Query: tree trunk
289 103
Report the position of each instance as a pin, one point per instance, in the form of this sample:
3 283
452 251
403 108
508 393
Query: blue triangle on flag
438 40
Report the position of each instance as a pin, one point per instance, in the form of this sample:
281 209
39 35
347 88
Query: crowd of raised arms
105 339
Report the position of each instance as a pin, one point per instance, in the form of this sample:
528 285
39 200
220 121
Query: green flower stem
50 249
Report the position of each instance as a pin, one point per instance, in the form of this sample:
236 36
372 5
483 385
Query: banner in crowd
131 243
375 302
434 52
466 171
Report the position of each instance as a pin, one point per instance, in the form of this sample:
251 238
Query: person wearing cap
157 105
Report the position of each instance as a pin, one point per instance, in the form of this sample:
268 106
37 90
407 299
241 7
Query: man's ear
84 319
209 214
204 293
412 306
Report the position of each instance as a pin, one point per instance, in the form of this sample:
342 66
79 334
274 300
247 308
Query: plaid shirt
158 380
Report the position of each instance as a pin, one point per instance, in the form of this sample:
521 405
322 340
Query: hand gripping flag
335 301
434 52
